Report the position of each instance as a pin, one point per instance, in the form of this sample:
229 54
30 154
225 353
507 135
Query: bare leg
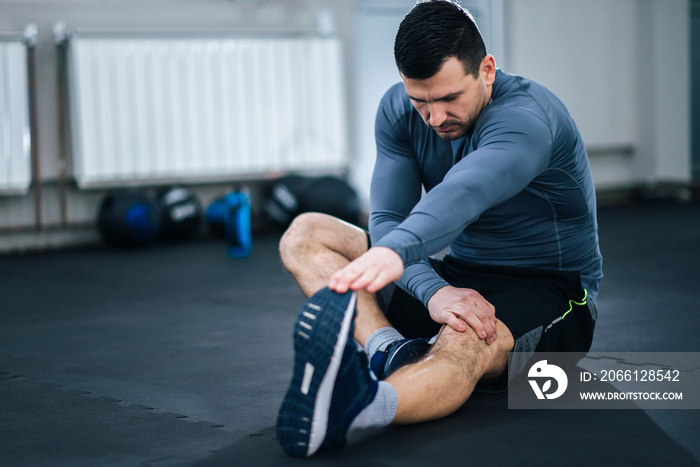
442 381
314 247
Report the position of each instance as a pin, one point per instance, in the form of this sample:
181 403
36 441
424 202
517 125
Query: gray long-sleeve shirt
517 191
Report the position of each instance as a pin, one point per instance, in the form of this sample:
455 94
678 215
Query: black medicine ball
130 217
283 201
181 211
334 196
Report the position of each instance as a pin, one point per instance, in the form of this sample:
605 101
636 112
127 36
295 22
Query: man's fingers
455 323
477 325
361 281
371 271
461 325
480 319
338 286
341 281
491 339
352 279
486 314
379 281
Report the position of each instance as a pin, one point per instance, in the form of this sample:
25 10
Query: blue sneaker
331 382
398 354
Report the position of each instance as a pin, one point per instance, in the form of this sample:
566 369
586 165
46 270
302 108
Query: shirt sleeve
395 190
513 146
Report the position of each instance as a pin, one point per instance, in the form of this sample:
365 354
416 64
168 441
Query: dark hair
434 31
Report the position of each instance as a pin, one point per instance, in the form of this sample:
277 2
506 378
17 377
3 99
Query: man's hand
458 308
376 268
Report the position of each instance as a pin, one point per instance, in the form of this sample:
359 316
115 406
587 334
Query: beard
454 129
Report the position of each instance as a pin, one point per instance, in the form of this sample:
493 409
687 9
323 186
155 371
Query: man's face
450 101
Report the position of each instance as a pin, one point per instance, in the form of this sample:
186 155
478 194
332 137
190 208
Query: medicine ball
331 195
130 217
181 211
283 201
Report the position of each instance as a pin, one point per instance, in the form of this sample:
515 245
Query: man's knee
300 230
301 233
490 358
313 232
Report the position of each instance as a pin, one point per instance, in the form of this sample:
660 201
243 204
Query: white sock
378 414
380 339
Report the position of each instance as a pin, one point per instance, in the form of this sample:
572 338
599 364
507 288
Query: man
508 190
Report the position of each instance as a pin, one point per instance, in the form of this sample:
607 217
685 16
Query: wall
249 16
621 66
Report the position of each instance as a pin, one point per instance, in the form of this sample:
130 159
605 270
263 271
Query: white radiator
15 150
182 108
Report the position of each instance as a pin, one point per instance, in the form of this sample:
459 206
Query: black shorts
545 310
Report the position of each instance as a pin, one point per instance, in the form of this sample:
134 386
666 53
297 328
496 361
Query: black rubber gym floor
179 355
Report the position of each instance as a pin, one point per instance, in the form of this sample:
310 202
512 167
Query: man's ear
487 69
